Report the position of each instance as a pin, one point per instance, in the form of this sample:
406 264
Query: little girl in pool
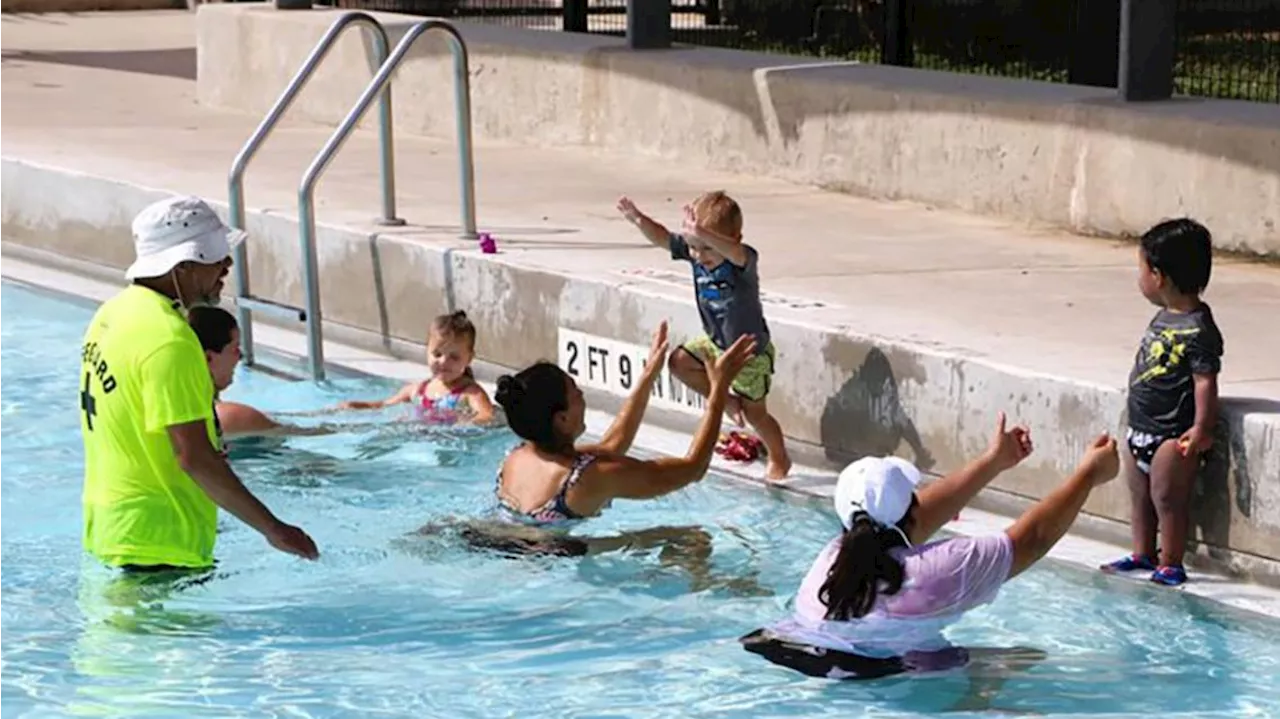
451 388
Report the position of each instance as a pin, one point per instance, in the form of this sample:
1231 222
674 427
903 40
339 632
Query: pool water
387 627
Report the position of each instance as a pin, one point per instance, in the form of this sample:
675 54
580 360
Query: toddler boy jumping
727 290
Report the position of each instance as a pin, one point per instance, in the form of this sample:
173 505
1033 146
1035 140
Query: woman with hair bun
550 479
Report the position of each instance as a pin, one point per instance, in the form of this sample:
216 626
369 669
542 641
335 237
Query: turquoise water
384 627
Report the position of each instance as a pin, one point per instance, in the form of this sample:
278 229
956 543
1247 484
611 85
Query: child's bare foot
778 469
733 410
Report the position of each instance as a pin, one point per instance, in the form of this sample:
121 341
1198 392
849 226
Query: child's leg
1142 512
1136 459
771 434
688 364
1172 478
752 385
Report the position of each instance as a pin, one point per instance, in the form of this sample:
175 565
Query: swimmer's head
183 249
451 346
219 335
875 500
1175 258
721 214
544 406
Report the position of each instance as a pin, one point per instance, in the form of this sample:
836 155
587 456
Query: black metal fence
1223 48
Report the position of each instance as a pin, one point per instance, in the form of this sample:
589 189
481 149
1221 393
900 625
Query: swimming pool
388 628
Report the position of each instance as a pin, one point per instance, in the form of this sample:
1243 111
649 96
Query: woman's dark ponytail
863 568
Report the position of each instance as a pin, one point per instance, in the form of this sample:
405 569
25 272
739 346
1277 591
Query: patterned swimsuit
555 510
437 409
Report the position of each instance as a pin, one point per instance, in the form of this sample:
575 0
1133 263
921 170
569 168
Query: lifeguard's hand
291 539
725 369
1009 446
658 349
1101 461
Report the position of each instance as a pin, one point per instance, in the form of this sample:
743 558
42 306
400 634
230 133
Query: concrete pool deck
900 328
1073 549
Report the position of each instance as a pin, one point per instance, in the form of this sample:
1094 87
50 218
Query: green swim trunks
756 376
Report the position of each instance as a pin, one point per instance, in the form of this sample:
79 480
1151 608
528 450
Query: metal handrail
306 190
235 179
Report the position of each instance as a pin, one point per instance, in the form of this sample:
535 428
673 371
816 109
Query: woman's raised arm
628 478
618 438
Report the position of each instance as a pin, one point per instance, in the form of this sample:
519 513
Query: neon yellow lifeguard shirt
142 371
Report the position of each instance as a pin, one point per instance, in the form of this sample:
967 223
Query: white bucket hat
175 230
880 486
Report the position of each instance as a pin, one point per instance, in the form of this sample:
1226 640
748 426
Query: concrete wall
48 6
855 393
1060 155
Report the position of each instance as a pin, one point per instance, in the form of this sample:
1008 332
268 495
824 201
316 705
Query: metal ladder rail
246 302
306 190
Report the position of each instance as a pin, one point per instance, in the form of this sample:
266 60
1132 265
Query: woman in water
219 336
550 478
549 481
877 598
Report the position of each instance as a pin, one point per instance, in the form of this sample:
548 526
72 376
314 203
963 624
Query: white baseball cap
179 229
880 486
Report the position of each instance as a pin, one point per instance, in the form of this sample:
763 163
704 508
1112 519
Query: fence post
1097 28
711 12
574 15
897 48
648 24
1146 49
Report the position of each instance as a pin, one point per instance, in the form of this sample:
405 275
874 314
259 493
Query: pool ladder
389 60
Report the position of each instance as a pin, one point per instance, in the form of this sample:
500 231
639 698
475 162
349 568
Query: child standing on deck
727 291
451 388
1173 396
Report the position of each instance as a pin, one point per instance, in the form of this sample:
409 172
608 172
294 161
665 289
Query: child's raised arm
654 232
732 249
404 395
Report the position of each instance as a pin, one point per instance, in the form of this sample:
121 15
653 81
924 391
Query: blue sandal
1131 563
1170 576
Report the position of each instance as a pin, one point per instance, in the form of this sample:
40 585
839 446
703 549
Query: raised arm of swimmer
551 478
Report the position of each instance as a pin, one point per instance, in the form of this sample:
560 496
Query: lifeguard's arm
618 438
404 395
210 470
943 499
1039 528
177 398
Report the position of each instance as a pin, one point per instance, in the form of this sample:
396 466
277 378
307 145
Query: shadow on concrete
177 62
1227 484
866 416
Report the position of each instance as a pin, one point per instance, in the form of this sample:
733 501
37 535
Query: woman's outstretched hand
725 369
1009 446
1101 462
657 351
